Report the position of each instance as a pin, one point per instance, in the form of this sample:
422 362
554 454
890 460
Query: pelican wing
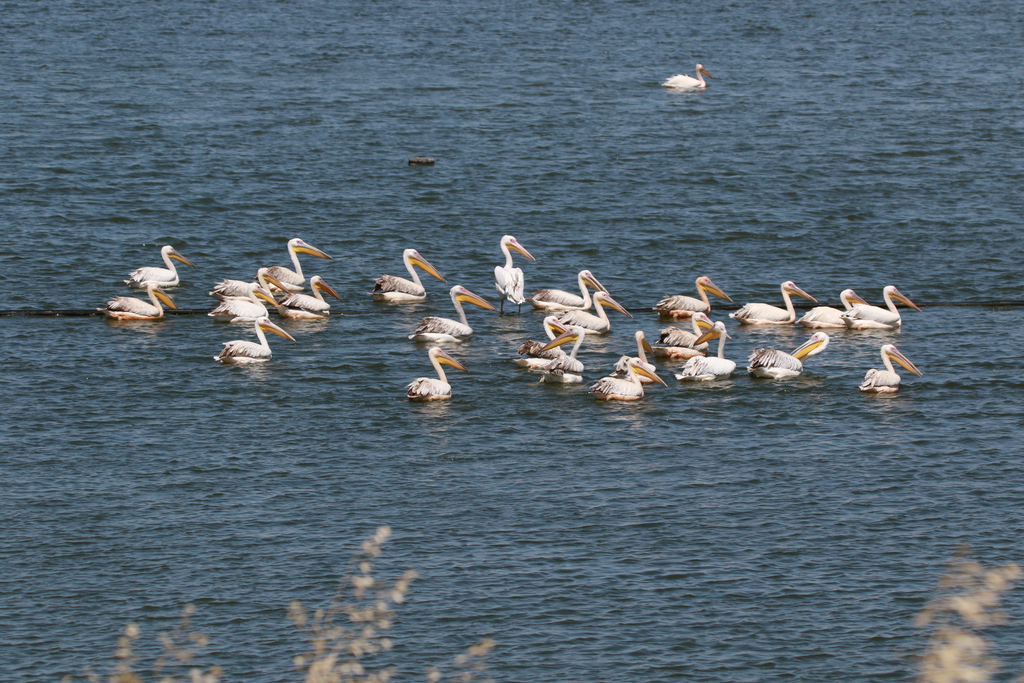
533 349
230 288
880 379
151 274
580 318
557 296
244 349
287 276
680 303
238 308
509 282
823 315
306 302
424 387
390 283
620 387
128 304
700 367
773 358
760 312
673 336
565 365
875 313
448 326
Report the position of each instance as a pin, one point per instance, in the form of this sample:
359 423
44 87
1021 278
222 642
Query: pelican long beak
564 338
857 299
518 247
808 348
793 289
261 293
466 296
444 359
703 71
646 345
271 327
606 300
418 260
557 327
897 356
327 289
162 295
274 281
592 282
641 370
708 336
178 257
313 251
711 288
908 302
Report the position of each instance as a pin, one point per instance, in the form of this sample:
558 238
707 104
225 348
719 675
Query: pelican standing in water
306 307
677 343
244 310
629 389
430 389
684 81
700 369
130 308
165 277
537 358
681 306
294 280
567 369
239 289
777 364
887 381
559 300
508 280
446 330
865 317
400 290
594 324
643 347
766 314
827 317
241 352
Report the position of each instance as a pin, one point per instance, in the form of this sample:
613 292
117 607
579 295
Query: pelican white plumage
560 300
887 381
700 369
681 306
594 324
766 314
777 364
864 317
165 277
537 359
446 330
828 317
240 352
306 307
567 369
400 290
130 308
643 347
244 310
629 389
239 289
430 389
294 280
689 82
508 280
678 343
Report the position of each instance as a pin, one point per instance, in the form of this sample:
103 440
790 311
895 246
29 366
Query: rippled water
741 530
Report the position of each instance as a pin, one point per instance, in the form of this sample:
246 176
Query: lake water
735 531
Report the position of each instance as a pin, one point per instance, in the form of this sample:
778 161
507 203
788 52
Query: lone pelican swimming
887 381
865 317
430 389
165 277
508 279
689 82
766 314
130 308
776 364
400 290
434 329
240 352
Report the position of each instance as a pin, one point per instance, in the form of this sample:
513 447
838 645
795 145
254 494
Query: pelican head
789 287
815 345
895 294
301 247
716 331
160 294
642 341
893 353
701 69
605 299
463 295
554 325
511 243
639 367
443 358
415 258
703 321
170 252
710 287
267 326
317 282
848 295
591 281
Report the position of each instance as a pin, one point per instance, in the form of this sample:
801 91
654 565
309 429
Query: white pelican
294 280
680 306
444 329
765 314
398 289
683 81
536 357
241 352
824 316
559 300
130 308
677 343
702 369
430 389
165 277
629 389
508 280
887 381
306 307
244 310
239 289
643 347
594 324
864 317
781 365
567 369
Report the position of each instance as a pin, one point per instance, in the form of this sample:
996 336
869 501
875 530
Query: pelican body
244 310
865 317
446 330
689 82
677 343
508 280
594 324
130 308
559 300
566 369
765 314
887 381
827 317
241 352
400 290
680 306
239 289
629 389
306 307
643 347
700 369
165 277
294 280
430 389
777 364
537 358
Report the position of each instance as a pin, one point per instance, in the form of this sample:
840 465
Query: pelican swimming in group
567 369
245 310
887 381
446 330
130 308
629 389
594 324
241 352
537 358
306 307
864 317
559 300
508 280
239 289
294 280
701 369
643 347
777 364
678 343
827 317
684 81
681 306
766 314
398 289
165 277
430 389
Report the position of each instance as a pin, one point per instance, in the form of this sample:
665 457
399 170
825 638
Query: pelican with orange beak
165 277
445 329
776 364
887 381
677 343
430 389
245 310
306 307
508 280
766 314
827 317
594 324
864 317
643 347
239 289
130 308
567 369
400 290
629 389
683 81
537 358
681 306
294 280
560 300
240 352
701 369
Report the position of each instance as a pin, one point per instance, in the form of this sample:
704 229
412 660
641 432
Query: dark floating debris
421 161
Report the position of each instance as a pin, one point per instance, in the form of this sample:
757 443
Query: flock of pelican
571 319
